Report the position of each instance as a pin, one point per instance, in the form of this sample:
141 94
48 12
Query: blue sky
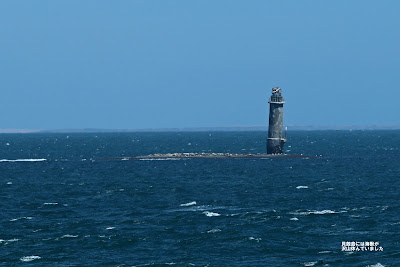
160 64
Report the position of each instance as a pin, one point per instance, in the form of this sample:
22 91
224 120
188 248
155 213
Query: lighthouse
275 140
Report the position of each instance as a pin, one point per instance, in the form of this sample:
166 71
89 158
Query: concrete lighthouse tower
275 141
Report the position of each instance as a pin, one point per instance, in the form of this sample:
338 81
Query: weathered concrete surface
275 141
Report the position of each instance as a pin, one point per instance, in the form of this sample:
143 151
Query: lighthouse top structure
276 97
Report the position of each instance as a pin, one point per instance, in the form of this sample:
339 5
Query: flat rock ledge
213 156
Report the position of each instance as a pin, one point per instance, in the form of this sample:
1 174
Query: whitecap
294 219
21 160
50 203
29 258
211 214
9 183
110 228
188 204
311 263
376 265
195 208
301 187
323 212
324 252
256 239
8 241
69 236
20 218
161 159
316 212
214 230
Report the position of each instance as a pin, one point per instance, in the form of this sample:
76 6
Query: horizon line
205 128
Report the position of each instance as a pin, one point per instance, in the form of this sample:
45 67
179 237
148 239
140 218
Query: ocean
62 204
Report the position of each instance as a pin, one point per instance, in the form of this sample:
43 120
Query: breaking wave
29 258
161 159
188 204
316 212
21 160
301 187
211 214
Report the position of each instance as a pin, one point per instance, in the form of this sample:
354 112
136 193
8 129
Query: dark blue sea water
75 209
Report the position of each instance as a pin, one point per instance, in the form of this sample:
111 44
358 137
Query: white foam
8 241
29 258
256 239
211 214
214 230
16 219
324 252
294 219
317 212
311 263
301 187
188 204
69 236
9 183
50 203
161 159
376 265
110 228
21 160
323 212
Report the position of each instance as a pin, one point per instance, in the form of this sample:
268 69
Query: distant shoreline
205 129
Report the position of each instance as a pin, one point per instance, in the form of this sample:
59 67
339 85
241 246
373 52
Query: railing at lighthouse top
276 96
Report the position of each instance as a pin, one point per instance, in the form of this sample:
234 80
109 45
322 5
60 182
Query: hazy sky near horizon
158 64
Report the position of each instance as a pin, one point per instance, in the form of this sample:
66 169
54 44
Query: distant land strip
210 129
